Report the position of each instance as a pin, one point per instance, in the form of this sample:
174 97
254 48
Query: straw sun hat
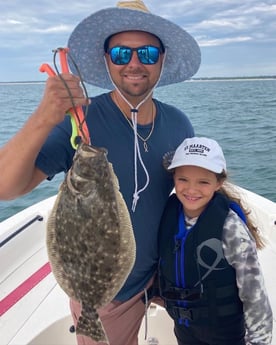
86 43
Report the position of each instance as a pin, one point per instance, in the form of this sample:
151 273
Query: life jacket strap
192 314
180 294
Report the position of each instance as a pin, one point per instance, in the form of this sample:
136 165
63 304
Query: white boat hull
35 311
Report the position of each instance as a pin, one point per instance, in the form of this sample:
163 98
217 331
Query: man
130 50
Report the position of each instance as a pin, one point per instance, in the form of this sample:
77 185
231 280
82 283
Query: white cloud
55 29
238 23
12 22
222 41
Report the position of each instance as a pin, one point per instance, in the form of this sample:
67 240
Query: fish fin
89 324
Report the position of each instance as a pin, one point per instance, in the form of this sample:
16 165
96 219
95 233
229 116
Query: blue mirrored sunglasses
147 55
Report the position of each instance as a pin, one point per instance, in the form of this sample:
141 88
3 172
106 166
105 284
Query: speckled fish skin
90 241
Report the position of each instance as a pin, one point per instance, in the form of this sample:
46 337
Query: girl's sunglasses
147 55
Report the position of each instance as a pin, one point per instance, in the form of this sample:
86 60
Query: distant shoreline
236 78
272 77
22 82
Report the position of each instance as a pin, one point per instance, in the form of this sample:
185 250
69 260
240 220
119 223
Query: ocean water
239 114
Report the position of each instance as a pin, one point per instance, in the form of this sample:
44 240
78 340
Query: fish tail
92 327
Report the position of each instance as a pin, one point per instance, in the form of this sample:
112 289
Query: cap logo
196 149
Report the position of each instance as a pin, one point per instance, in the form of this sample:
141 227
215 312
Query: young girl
210 277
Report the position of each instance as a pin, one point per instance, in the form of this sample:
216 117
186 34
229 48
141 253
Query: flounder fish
90 240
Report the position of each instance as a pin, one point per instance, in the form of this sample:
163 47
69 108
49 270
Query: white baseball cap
199 151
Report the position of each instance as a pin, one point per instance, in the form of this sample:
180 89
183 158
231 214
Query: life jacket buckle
186 314
180 294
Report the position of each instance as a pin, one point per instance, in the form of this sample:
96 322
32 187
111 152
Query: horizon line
193 78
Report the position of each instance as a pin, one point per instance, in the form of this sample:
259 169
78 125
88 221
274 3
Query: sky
237 38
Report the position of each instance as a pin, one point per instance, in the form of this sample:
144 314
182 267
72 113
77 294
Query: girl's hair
231 193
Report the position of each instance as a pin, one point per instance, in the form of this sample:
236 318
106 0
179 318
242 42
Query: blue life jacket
196 281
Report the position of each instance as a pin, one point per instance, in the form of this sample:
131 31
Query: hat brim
86 45
198 163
